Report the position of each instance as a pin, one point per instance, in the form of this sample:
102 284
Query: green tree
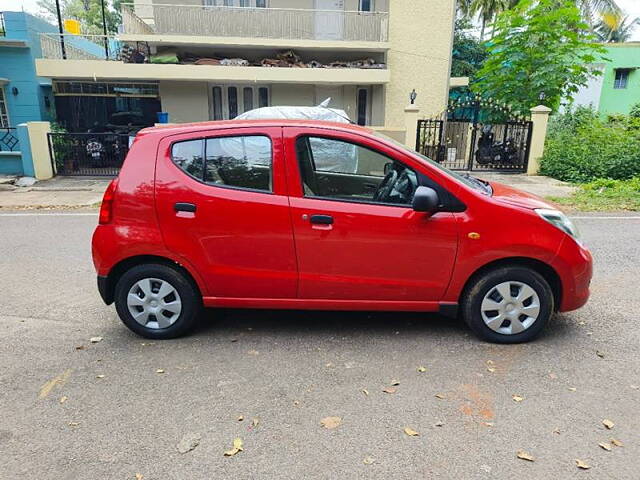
87 12
616 28
539 55
468 53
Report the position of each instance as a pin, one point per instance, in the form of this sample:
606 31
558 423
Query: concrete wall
421 37
185 101
286 95
623 55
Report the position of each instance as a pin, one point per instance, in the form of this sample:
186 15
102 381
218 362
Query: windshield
466 179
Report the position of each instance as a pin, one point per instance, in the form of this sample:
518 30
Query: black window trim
450 203
204 139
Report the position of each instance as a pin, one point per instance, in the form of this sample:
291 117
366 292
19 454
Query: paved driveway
72 409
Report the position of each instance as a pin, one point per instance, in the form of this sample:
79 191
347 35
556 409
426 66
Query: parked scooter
496 153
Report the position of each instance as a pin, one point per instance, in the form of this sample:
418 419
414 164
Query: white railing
131 23
276 23
79 47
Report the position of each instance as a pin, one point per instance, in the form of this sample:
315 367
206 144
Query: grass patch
604 195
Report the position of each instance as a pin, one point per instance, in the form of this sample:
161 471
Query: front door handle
185 207
322 219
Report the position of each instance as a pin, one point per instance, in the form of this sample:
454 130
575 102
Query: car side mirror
426 200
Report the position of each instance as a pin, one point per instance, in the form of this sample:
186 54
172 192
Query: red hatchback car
312 215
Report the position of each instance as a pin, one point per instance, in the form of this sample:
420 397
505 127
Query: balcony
264 23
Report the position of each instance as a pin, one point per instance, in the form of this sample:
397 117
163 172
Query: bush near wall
582 147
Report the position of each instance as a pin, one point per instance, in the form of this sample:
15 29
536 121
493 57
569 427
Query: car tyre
157 301
499 305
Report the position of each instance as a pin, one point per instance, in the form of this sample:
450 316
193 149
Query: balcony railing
79 47
274 23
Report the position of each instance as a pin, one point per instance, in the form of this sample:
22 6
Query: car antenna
325 105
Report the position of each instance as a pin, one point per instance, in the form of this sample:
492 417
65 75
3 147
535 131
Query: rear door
351 245
222 206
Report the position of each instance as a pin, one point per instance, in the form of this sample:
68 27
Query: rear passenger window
240 161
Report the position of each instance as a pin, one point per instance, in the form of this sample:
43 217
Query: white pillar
540 119
411 114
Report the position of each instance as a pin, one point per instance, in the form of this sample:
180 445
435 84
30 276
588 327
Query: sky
632 7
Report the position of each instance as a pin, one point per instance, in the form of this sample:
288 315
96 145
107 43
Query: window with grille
4 113
622 78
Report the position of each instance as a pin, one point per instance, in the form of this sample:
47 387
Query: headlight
559 220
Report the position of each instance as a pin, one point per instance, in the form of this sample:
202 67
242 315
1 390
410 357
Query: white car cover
328 155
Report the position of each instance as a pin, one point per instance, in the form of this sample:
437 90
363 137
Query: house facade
214 59
617 89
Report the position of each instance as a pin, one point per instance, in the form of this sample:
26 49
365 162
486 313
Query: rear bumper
574 263
105 291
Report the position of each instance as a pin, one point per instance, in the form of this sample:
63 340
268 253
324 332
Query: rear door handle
322 219
185 207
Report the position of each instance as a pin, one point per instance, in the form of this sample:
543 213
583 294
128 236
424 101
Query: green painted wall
623 55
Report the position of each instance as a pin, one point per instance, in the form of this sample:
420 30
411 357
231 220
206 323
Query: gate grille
88 154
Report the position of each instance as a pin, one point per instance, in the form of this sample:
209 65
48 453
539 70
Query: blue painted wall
17 64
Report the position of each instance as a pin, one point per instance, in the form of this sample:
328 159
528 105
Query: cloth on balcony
165 59
236 62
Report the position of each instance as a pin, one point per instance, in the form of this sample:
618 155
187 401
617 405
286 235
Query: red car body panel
255 249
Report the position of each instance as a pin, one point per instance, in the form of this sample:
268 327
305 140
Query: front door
329 19
356 235
222 206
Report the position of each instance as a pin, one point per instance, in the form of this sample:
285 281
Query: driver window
341 170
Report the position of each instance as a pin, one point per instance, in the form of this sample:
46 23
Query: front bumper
574 263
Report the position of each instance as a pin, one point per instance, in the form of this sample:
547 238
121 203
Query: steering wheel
386 186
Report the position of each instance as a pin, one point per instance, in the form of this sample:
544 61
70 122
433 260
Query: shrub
581 147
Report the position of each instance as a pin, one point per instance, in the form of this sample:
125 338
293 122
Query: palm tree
613 28
593 10
488 10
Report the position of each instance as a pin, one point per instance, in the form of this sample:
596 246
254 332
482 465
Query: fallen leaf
241 418
99 376
491 369
253 352
329 365
605 446
440 396
188 442
73 424
525 456
234 340
600 354
330 422
582 465
80 347
255 422
139 476
368 460
390 390
395 383
296 403
487 424
556 431
635 387
616 443
160 370
608 423
63 399
237 447
51 384
411 432
95 339
572 389
365 391
517 398
422 369
439 424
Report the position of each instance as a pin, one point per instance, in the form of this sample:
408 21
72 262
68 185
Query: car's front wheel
157 301
509 304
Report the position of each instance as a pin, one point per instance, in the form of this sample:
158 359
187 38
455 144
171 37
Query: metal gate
91 154
476 134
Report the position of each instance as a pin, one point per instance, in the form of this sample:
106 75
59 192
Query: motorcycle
496 153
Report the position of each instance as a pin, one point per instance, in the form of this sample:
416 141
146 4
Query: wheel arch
544 269
107 284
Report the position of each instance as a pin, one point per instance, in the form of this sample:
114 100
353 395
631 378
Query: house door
329 19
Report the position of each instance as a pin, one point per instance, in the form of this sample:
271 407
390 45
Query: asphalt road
60 420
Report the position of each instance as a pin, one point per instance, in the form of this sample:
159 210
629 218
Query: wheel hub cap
510 308
154 303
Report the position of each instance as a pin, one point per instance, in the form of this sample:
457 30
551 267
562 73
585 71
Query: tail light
106 209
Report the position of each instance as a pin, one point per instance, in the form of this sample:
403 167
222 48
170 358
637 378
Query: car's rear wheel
157 301
507 304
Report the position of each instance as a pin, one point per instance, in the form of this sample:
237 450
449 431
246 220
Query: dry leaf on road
616 443
73 424
491 369
517 398
99 376
411 432
608 423
255 422
139 476
422 369
253 352
330 422
237 447
605 446
160 370
365 391
525 456
390 390
600 354
63 399
572 389
582 465
439 424
80 347
440 396
240 418
95 339
368 460
395 383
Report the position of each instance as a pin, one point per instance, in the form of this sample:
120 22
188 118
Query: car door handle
185 207
322 219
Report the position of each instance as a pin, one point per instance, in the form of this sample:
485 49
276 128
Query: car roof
176 129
